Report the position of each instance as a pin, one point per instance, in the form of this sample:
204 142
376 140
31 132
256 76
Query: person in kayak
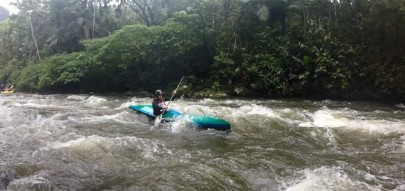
8 87
158 103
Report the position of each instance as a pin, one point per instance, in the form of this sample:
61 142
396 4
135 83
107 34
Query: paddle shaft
174 92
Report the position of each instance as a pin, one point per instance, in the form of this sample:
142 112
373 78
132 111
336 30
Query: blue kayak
198 120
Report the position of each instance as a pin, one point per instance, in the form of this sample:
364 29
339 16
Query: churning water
86 142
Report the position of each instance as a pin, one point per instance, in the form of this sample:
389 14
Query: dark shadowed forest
347 49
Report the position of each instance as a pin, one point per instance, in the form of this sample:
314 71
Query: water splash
180 124
353 120
327 178
400 106
77 97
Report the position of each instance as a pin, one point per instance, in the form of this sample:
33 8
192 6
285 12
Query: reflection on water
87 142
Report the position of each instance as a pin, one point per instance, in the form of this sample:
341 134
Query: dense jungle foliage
295 48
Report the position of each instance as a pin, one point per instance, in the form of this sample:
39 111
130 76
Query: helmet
158 92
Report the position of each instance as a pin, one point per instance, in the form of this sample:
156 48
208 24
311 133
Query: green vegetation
339 49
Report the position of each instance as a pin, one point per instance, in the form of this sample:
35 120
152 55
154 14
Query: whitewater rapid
93 142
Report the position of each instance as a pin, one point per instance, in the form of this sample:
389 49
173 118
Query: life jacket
158 106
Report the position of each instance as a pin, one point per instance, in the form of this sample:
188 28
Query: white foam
150 149
325 118
207 100
326 178
400 105
259 110
95 101
400 187
73 143
125 105
353 120
124 117
180 124
77 97
42 105
198 110
33 182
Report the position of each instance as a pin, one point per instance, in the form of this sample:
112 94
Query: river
88 142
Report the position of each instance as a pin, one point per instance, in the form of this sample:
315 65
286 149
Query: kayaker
8 87
158 103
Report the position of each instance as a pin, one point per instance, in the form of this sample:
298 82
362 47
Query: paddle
159 117
174 92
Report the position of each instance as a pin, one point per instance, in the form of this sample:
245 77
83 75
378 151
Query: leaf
306 60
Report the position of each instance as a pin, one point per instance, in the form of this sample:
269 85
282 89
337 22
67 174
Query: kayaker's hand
174 92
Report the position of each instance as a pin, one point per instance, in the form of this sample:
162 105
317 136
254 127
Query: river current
88 142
